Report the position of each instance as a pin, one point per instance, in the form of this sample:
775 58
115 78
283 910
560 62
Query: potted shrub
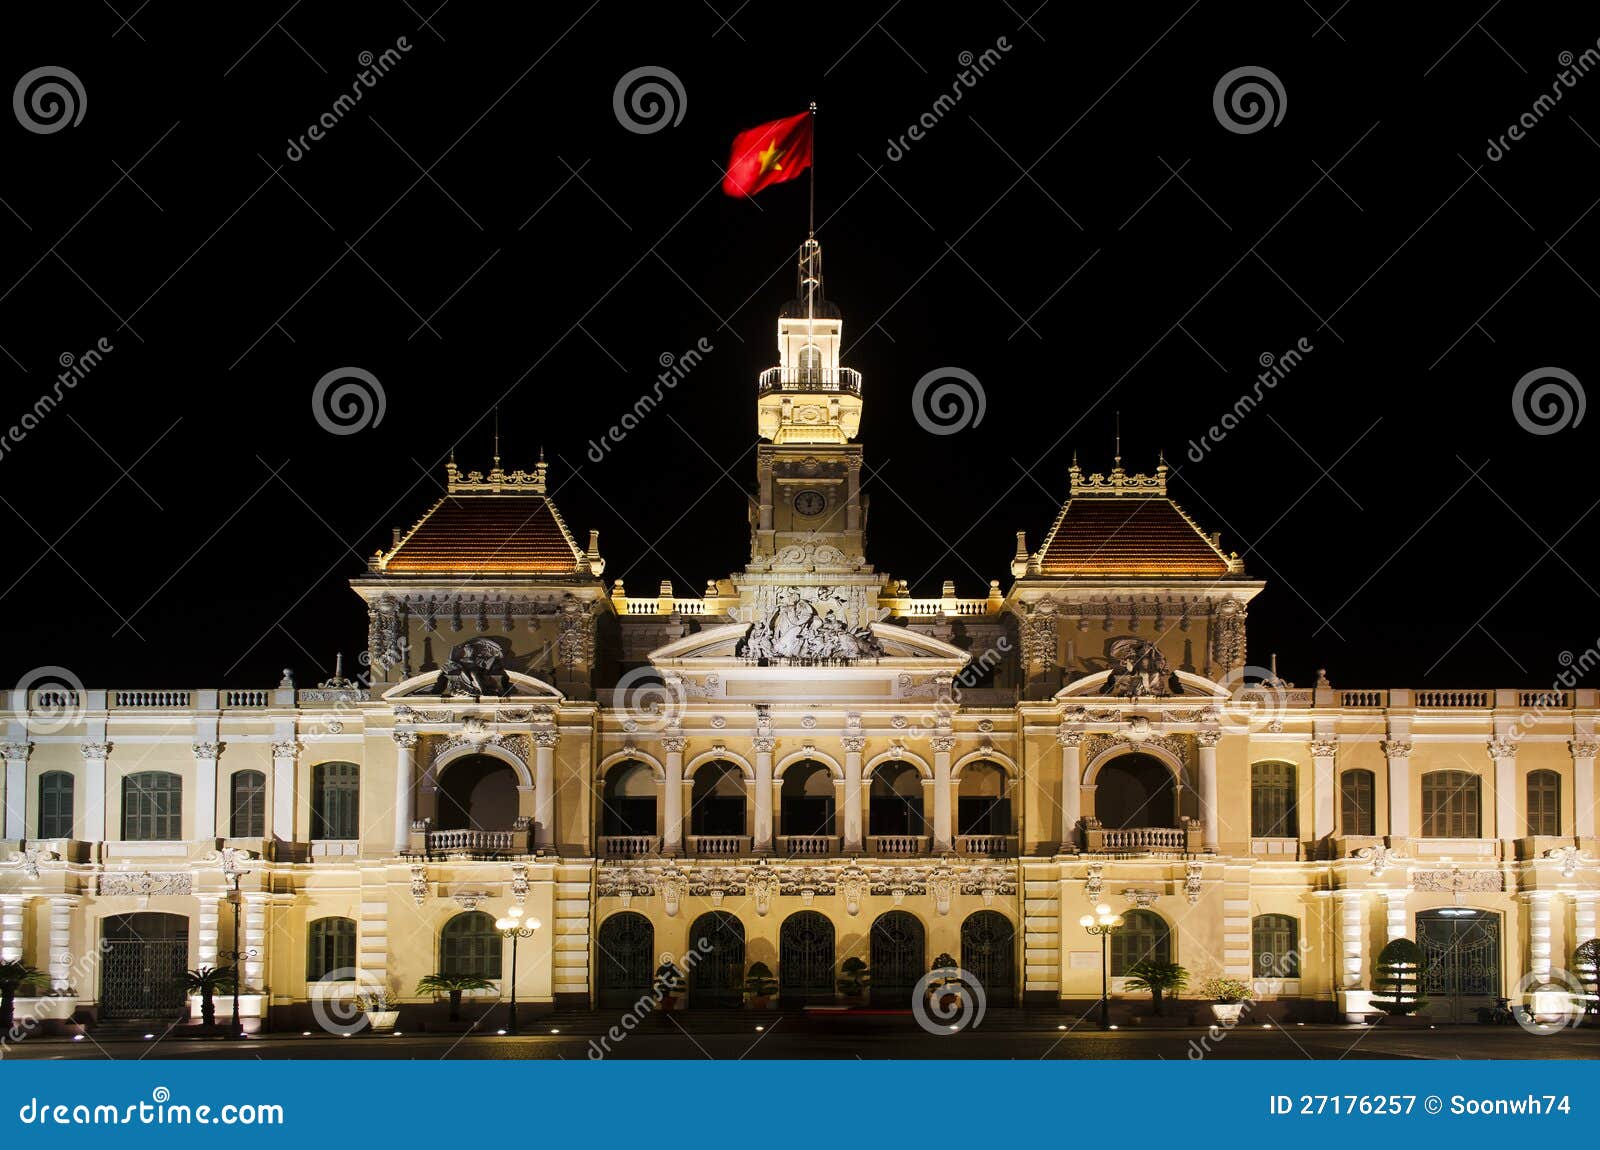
205 982
1227 995
669 984
1158 978
854 978
380 1011
452 986
1395 978
14 975
760 986
945 987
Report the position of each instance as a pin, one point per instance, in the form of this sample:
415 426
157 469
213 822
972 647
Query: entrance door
141 971
715 962
988 953
625 958
899 958
1460 961
805 959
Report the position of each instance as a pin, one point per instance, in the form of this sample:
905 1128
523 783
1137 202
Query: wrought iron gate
805 958
624 960
988 953
715 961
1460 961
899 958
142 969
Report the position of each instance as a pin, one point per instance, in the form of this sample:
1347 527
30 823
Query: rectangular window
152 807
1450 805
1356 814
55 805
1272 801
249 805
1544 803
335 799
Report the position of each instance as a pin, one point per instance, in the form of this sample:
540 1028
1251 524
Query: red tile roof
1099 536
488 534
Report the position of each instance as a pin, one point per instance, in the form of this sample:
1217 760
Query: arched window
1356 797
807 807
249 805
1143 935
1544 803
331 949
469 944
152 807
1275 943
982 805
628 805
716 803
1450 805
1272 801
55 805
810 364
896 807
335 801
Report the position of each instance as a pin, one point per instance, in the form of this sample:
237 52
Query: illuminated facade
801 764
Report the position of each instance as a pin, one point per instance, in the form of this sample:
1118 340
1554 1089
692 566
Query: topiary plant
759 983
1395 978
853 977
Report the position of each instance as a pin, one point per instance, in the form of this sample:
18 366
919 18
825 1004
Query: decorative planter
382 1021
1227 1012
252 1010
46 1008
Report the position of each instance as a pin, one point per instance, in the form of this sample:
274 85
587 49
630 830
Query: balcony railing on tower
845 379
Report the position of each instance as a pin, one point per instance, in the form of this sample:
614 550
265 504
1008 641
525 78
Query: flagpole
811 223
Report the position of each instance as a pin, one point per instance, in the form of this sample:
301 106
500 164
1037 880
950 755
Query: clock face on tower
810 503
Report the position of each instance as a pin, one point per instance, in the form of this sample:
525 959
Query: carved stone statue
1139 669
475 668
807 626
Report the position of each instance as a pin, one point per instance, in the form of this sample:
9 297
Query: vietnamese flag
769 154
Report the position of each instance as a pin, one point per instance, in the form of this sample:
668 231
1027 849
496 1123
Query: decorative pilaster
1395 915
853 746
544 788
11 908
15 823
1398 752
205 789
1539 903
1209 798
284 756
60 969
761 840
206 946
943 840
405 765
1583 752
1071 743
1322 787
1352 937
1583 916
1504 754
672 804
253 940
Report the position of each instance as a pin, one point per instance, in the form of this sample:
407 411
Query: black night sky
1081 232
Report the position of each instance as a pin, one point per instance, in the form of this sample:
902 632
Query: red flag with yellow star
769 154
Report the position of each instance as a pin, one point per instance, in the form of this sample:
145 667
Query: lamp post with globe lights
1102 922
513 926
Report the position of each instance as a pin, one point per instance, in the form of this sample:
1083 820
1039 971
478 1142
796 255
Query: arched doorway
1460 961
142 969
478 792
898 958
715 962
1135 790
716 804
988 953
628 802
982 804
896 801
624 960
807 800
805 959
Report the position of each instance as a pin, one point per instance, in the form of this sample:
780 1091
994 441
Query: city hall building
799 763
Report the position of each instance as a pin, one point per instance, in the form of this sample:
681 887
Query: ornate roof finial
1117 455
497 437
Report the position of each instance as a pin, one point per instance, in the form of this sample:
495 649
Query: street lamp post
514 927
1102 922
230 859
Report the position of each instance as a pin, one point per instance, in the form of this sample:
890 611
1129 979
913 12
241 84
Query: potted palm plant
669 984
1158 978
14 975
205 982
760 986
1227 995
854 978
452 986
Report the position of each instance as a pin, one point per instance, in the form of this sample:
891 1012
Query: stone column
672 796
205 790
1071 743
853 745
1504 754
1209 791
15 825
544 788
1539 932
1583 916
1323 787
253 940
284 756
61 908
11 907
1395 918
943 840
208 927
1583 752
761 831
1398 752
405 768
1352 937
